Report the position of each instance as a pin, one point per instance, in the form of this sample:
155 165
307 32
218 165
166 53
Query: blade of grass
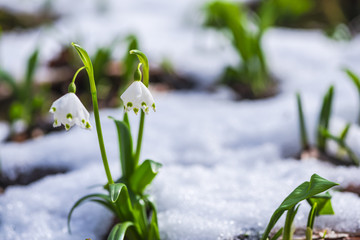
303 132
324 118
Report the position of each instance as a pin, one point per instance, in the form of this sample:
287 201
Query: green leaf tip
115 190
119 230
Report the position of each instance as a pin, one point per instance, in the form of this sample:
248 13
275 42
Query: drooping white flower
68 110
137 96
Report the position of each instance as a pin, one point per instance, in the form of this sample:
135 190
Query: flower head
137 97
68 110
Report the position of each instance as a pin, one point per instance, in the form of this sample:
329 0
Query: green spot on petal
69 116
53 109
136 110
83 121
67 126
143 104
129 104
88 125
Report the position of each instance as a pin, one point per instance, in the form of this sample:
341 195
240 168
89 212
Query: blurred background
224 76
192 45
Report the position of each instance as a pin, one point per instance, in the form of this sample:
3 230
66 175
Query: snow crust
227 165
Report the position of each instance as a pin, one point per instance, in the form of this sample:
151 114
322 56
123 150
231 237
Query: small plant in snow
309 191
26 101
134 210
344 155
251 78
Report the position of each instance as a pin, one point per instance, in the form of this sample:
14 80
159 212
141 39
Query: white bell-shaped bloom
68 110
137 96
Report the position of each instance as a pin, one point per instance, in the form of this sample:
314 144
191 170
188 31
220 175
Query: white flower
68 110
137 97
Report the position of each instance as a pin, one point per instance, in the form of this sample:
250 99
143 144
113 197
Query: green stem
100 136
77 72
288 229
89 69
145 65
139 139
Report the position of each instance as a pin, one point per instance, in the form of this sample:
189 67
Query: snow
227 164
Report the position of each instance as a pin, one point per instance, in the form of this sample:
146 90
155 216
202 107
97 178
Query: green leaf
303 132
99 198
143 59
356 80
344 132
126 148
101 59
129 61
30 70
153 228
342 144
140 215
144 175
153 232
84 56
120 196
323 202
305 190
119 230
277 234
324 118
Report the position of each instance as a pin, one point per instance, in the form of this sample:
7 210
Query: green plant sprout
320 205
245 32
135 212
309 191
26 102
344 153
356 80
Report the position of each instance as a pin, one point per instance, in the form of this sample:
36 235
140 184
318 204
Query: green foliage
304 139
323 202
119 230
320 205
144 175
304 191
27 100
129 62
288 226
343 147
324 118
277 234
101 59
245 33
323 134
272 12
356 80
125 147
